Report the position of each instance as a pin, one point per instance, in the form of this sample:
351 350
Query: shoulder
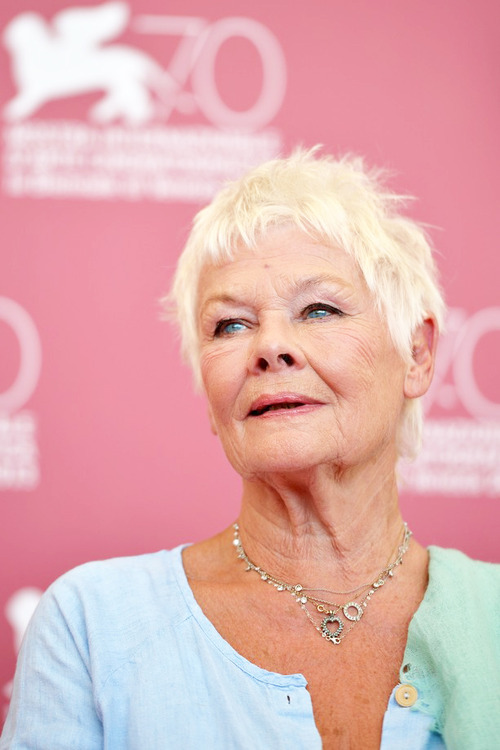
91 625
450 566
461 588
108 581
109 577
117 603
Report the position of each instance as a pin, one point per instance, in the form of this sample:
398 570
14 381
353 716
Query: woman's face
298 366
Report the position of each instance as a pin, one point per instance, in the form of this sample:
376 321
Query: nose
275 362
275 349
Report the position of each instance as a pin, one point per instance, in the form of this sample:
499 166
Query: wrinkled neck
321 526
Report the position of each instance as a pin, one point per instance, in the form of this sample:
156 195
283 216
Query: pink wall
104 449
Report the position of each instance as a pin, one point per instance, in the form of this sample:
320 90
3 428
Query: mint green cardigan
452 654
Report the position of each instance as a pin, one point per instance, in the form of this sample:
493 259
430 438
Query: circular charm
352 605
328 634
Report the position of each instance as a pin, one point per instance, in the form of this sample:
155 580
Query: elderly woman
309 311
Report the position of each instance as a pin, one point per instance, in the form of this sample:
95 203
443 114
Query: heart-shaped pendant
327 633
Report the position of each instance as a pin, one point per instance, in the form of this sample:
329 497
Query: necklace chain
343 616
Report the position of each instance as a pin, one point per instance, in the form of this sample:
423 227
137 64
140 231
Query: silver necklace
343 617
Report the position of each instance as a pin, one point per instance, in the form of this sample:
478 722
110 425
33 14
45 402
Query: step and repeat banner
118 121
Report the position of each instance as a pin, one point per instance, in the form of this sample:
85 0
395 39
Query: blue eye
229 326
318 313
321 311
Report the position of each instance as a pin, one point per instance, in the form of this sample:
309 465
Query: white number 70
195 56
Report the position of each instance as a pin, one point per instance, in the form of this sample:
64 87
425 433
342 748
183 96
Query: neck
322 530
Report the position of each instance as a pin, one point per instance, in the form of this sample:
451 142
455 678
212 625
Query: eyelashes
320 311
316 311
228 326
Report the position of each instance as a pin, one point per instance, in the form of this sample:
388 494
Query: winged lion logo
69 56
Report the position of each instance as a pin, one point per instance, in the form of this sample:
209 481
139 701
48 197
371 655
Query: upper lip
265 401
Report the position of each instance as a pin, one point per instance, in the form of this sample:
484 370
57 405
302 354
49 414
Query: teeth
275 407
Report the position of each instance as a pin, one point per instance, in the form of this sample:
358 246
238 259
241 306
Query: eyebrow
321 280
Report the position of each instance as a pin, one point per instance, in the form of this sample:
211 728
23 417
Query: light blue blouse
119 655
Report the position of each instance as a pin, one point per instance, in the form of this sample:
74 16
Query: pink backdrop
117 124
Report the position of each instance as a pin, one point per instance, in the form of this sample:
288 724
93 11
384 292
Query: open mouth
275 407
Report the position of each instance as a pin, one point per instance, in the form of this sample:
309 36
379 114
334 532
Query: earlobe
212 421
419 374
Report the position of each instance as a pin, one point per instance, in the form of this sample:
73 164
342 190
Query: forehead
288 256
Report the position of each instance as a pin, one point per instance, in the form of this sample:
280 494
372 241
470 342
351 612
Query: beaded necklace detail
342 616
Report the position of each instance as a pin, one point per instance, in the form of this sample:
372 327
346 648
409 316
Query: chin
280 460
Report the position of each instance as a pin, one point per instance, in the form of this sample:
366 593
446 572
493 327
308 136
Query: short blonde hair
340 203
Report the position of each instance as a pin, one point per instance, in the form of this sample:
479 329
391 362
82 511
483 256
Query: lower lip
280 413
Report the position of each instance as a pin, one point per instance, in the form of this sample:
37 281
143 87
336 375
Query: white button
406 695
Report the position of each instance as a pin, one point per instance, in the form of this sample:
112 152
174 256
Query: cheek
358 362
352 354
213 365
220 381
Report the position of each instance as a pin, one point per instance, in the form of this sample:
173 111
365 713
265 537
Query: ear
419 374
212 420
